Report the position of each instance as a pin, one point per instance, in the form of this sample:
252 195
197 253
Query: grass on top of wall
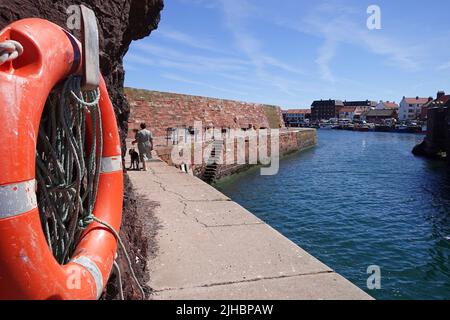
272 116
139 94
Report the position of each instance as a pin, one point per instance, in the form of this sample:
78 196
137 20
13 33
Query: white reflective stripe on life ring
93 269
17 198
111 164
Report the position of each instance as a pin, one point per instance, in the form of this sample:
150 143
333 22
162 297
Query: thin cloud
445 66
400 55
266 68
189 41
326 55
236 13
256 71
208 4
171 58
178 78
336 25
136 59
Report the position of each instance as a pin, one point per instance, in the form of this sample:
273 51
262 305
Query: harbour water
361 199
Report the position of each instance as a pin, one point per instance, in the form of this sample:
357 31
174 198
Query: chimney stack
440 94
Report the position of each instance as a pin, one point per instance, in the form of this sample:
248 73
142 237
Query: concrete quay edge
210 247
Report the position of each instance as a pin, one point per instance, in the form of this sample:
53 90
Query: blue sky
291 52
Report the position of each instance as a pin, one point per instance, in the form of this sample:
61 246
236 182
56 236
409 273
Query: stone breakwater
290 141
163 112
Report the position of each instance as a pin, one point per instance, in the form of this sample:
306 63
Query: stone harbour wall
290 141
162 110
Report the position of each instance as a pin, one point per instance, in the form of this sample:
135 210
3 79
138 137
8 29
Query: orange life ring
28 269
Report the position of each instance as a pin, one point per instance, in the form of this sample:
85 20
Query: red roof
298 111
348 109
442 100
390 105
416 100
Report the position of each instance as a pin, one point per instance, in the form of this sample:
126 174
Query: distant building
326 109
363 105
411 108
296 117
442 100
424 109
387 105
360 113
377 116
347 113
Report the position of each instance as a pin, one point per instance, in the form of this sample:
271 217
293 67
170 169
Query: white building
411 108
296 117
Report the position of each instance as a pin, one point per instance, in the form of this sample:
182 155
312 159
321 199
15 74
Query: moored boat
384 128
414 129
401 128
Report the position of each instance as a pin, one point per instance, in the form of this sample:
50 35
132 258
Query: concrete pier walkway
212 248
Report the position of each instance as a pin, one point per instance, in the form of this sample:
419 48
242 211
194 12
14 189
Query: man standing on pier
144 139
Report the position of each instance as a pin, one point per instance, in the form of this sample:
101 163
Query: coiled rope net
68 170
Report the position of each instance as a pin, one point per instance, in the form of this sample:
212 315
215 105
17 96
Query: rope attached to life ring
10 50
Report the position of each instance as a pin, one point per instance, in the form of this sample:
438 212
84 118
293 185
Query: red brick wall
167 110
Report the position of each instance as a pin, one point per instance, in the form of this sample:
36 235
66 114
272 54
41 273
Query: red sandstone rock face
120 22
167 110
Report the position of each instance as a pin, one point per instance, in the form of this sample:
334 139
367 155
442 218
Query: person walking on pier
144 140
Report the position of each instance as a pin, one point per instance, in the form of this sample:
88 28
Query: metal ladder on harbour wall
210 172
